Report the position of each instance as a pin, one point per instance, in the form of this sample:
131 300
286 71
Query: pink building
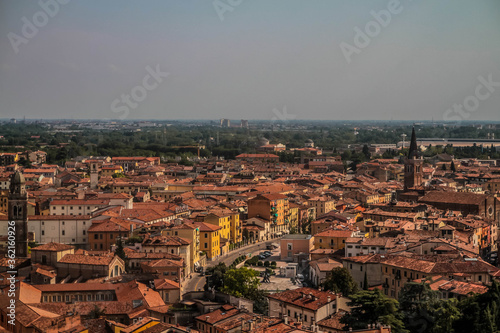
292 245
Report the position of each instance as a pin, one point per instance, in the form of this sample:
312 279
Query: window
361 268
63 232
96 236
84 232
43 223
43 232
62 222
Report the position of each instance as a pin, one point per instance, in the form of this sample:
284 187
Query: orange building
273 208
102 235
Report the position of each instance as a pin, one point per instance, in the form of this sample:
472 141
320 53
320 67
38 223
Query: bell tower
94 175
18 212
413 165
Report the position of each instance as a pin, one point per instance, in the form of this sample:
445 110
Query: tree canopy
340 281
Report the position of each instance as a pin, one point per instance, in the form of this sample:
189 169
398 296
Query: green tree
119 249
259 298
416 303
372 307
445 314
215 278
241 282
366 152
452 167
340 281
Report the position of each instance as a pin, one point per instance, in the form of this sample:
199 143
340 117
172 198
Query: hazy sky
245 58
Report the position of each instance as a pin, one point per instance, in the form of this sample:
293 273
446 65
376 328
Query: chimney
328 299
285 318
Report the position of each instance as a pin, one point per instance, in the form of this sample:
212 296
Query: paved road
197 282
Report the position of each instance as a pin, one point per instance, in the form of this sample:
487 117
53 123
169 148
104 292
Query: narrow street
197 282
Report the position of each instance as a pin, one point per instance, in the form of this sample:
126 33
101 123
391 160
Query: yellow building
230 225
4 201
293 211
188 230
209 239
138 325
108 171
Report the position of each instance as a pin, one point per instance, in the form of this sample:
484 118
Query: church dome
18 178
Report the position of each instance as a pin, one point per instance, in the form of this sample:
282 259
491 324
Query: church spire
413 152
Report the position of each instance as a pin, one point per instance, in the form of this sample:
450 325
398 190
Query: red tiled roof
309 298
53 247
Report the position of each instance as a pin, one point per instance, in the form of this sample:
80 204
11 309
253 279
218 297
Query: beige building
305 305
170 244
49 254
187 230
77 206
170 291
89 267
66 229
323 205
